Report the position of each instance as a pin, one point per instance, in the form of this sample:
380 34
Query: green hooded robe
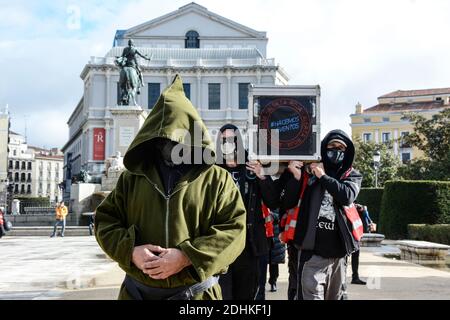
204 216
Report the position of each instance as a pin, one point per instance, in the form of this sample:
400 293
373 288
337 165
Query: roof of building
38 149
45 153
119 35
193 54
405 107
42 156
415 93
191 7
15 133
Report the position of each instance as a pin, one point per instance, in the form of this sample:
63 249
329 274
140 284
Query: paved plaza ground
75 268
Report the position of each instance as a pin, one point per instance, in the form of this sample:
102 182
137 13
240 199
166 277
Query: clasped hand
159 263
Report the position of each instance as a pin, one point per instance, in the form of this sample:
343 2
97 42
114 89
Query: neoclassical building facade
217 59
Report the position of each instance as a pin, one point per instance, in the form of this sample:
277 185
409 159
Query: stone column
108 89
107 142
91 146
396 142
228 104
199 93
169 77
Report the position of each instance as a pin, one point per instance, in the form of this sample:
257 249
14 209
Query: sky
356 50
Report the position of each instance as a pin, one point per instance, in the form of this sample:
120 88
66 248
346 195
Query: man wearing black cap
323 234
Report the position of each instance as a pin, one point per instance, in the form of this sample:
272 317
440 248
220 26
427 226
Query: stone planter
372 240
423 252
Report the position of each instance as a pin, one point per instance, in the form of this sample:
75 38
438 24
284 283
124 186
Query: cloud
356 50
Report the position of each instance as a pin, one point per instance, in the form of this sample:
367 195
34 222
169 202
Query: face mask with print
228 148
335 156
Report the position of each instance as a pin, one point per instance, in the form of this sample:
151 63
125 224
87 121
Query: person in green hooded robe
173 226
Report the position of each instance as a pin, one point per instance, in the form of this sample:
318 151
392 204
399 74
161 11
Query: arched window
192 40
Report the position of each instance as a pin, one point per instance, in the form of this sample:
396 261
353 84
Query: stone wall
42 220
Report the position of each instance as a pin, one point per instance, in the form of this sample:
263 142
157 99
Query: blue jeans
61 223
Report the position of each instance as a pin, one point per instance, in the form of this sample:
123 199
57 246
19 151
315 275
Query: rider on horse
129 60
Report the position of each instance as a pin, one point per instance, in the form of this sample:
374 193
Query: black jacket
278 249
256 239
343 187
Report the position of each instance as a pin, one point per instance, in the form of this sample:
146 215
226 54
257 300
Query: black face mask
165 148
335 156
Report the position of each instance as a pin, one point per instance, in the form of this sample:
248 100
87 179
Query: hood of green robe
174 118
204 216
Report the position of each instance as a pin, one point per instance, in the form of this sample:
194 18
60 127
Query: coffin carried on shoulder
284 123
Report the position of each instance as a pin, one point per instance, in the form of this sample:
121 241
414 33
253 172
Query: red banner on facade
99 144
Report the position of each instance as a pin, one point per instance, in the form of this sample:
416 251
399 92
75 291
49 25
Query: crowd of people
211 229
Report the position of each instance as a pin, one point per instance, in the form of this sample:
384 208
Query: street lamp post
376 165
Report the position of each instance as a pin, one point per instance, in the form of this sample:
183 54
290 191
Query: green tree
389 164
432 136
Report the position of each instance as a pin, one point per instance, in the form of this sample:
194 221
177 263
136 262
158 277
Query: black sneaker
273 288
358 281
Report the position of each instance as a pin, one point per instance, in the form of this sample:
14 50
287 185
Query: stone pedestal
15 207
126 122
372 240
109 182
423 252
80 196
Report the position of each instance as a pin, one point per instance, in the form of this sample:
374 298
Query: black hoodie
246 181
322 227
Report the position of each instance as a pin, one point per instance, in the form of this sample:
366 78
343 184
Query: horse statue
131 79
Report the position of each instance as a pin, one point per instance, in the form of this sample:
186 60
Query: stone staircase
39 231
45 220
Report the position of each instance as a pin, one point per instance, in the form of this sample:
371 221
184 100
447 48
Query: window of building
16 188
214 96
403 143
192 40
187 90
17 165
24 165
154 91
48 188
16 176
367 137
15 152
29 165
10 164
22 188
243 95
29 188
367 120
22 177
385 119
406 157
385 137
29 177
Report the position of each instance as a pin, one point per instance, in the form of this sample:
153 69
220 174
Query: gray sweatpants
323 278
